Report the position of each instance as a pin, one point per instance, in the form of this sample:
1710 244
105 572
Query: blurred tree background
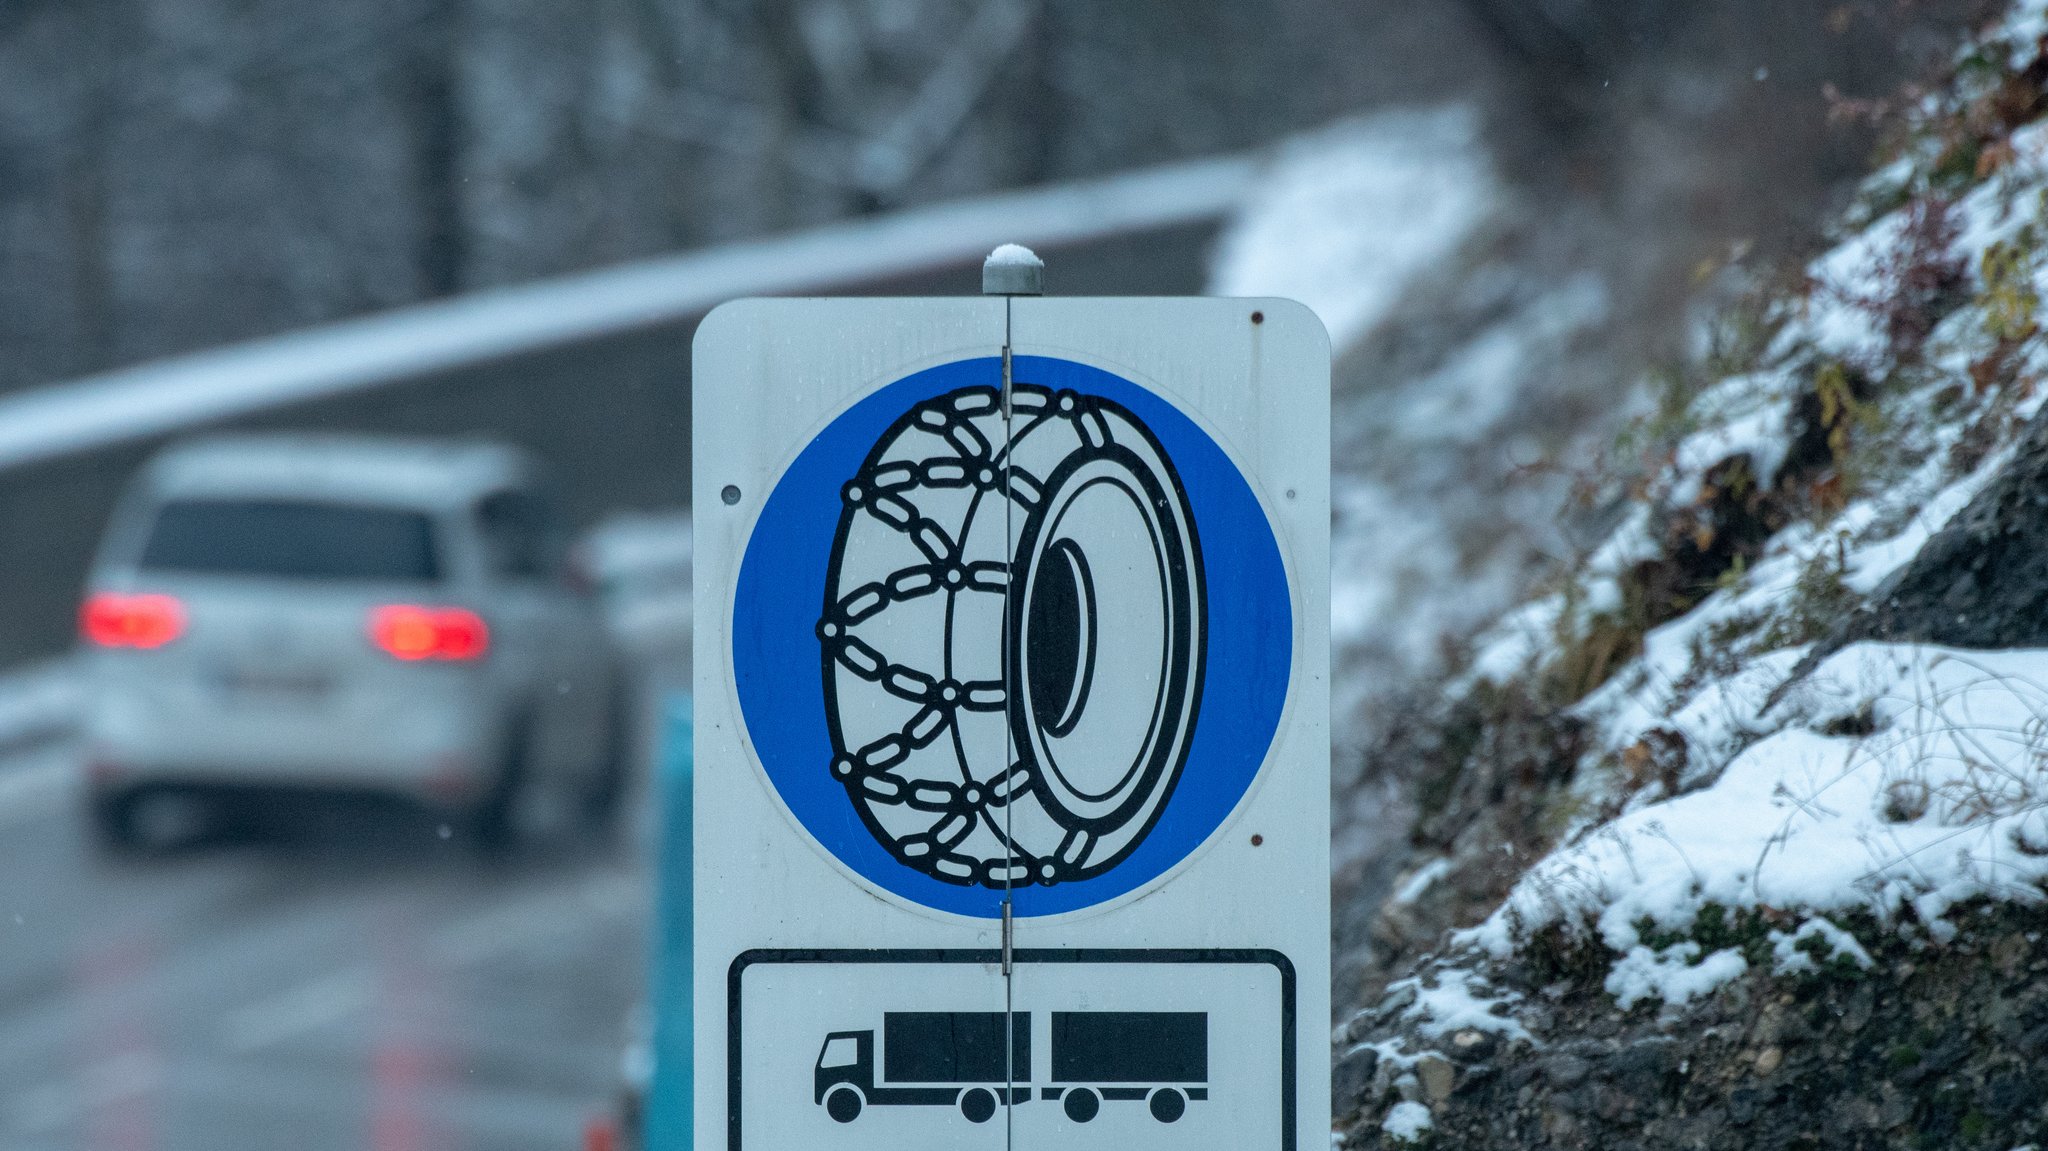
180 173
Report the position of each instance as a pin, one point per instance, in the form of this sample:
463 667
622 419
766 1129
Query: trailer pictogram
978 1059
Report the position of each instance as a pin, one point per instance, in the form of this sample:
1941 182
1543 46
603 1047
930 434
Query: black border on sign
992 956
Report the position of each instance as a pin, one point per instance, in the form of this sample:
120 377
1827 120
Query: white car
271 616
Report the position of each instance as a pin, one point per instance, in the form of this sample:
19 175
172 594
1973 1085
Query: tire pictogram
1051 549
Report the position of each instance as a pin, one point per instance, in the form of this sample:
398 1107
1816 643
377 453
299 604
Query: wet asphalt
350 980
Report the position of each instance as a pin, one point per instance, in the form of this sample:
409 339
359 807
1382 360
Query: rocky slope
1737 837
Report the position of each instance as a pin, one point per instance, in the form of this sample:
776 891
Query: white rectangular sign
1117 1050
1012 818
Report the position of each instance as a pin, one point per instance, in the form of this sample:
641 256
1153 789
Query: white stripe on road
62 1102
307 1007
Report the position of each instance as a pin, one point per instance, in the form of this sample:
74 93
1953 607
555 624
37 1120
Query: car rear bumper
263 800
439 751
458 783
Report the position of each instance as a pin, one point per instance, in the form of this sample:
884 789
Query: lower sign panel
1153 1050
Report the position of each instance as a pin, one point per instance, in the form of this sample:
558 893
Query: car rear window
292 540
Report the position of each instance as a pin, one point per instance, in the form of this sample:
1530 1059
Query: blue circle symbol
1038 652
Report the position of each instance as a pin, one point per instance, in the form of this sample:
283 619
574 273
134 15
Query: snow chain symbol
1012 636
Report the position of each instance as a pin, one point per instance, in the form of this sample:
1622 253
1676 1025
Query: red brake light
410 632
115 619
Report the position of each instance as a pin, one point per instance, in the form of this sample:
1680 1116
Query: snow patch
2024 25
1677 974
1877 562
1526 633
1013 256
1421 881
1346 216
1941 803
1459 1002
1759 435
1788 957
1406 1121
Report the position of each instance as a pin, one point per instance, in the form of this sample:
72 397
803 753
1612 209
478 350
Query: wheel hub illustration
1012 636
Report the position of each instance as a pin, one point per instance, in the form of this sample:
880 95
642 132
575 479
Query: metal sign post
1012 791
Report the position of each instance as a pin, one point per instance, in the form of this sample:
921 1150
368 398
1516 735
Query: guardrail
206 387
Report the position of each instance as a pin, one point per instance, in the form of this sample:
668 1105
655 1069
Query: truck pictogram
978 1060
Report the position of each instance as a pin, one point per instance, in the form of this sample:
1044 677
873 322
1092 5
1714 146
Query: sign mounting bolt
1013 270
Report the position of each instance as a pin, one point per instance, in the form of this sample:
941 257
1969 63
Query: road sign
1012 724
1117 1048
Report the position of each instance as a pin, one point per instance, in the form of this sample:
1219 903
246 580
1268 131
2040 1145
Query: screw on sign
1101 597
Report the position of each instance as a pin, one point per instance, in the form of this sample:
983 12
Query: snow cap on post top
1013 270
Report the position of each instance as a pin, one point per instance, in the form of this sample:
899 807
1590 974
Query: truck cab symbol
959 1058
929 1058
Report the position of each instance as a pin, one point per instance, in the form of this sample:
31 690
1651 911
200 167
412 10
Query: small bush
2010 302
1821 598
1920 279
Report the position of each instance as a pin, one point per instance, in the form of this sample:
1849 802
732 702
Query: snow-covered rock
1760 790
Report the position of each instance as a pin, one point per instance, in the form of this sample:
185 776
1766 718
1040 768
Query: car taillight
117 619
411 632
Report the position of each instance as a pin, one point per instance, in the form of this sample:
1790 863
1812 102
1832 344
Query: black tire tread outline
867 772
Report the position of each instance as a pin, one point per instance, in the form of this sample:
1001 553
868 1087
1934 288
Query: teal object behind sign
668 1114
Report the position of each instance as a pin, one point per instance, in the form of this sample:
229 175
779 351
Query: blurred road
368 986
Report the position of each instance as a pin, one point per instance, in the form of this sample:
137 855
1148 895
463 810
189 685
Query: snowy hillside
1453 345
1743 829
